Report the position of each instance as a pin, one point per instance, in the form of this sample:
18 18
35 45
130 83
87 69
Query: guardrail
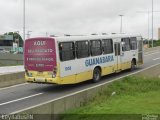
11 79
75 100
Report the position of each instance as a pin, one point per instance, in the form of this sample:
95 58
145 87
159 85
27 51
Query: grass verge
127 99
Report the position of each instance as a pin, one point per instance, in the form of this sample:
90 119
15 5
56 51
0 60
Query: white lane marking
83 90
14 86
151 53
20 99
156 58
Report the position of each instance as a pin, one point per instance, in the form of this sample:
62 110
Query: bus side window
107 46
126 46
133 43
82 49
66 51
96 47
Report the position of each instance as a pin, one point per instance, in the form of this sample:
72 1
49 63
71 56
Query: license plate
40 73
40 79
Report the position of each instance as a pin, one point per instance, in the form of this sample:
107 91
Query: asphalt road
20 97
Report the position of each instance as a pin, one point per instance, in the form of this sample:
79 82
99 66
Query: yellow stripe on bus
76 78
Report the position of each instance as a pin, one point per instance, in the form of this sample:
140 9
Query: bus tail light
26 71
54 72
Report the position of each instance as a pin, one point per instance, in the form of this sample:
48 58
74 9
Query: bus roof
89 37
93 37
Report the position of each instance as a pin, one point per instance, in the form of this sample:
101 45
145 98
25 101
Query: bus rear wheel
96 75
133 65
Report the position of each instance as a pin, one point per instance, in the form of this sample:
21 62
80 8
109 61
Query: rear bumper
55 80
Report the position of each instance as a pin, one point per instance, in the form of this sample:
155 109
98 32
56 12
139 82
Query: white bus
74 59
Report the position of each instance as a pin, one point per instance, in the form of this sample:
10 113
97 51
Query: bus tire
96 75
133 65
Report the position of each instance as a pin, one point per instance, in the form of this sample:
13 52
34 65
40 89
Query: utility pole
121 23
24 18
152 23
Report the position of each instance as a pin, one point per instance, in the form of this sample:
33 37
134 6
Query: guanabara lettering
99 60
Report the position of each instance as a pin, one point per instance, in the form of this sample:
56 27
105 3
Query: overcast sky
78 16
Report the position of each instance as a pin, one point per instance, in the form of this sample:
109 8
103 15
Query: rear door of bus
117 48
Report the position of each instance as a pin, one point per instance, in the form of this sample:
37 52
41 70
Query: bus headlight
52 74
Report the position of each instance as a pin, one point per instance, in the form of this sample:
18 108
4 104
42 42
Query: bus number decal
68 68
